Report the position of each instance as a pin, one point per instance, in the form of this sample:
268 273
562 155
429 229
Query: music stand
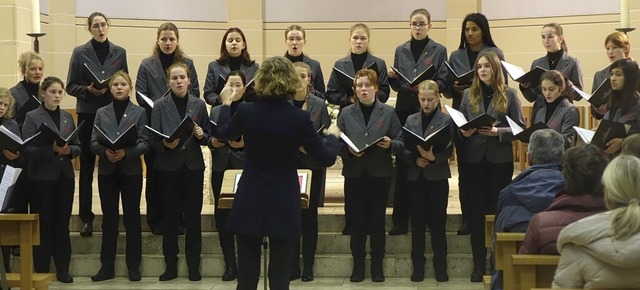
228 190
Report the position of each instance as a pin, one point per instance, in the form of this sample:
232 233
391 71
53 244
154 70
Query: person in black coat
267 200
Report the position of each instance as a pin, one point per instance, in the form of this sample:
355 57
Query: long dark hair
483 23
628 97
224 54
558 79
178 54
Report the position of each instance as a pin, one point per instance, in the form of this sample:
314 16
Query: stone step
328 243
329 220
212 265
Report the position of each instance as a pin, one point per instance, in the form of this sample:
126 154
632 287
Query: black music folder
427 74
600 96
98 82
483 120
439 139
12 142
52 135
358 148
465 78
522 134
606 131
126 139
518 74
183 131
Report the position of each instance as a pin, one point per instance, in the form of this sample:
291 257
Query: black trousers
310 224
53 201
463 183
111 187
280 251
182 184
368 213
429 208
87 164
486 179
221 215
151 194
402 194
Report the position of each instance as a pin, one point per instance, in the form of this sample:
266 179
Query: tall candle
35 16
624 14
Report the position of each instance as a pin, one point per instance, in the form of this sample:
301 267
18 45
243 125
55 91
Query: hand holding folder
483 120
126 139
427 74
518 74
179 136
12 142
465 78
600 96
53 135
607 131
439 139
522 134
98 82
361 147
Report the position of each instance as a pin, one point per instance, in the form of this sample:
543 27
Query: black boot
171 270
377 274
477 274
105 273
441 272
418 274
230 271
357 274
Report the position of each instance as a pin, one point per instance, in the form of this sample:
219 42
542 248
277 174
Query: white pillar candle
35 16
624 14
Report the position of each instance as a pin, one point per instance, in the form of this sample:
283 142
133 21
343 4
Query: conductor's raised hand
170 145
332 130
228 95
385 142
198 132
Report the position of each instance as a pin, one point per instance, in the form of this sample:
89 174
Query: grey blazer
336 94
567 65
383 122
630 117
44 164
459 61
433 54
165 118
79 78
220 157
20 94
211 82
12 125
320 117
440 168
599 77
562 120
317 79
152 79
107 122
496 149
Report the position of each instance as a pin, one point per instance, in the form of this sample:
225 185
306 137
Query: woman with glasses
91 64
296 38
412 58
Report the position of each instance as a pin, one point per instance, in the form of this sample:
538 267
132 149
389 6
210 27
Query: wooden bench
507 244
489 222
532 271
23 230
522 147
232 176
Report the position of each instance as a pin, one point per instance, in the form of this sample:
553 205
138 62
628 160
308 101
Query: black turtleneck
166 59
102 49
366 111
472 56
119 106
553 58
234 106
426 120
417 47
298 104
487 94
551 107
181 104
358 60
235 63
32 89
55 115
616 95
294 59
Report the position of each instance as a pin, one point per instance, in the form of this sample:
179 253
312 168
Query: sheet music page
456 116
515 128
8 179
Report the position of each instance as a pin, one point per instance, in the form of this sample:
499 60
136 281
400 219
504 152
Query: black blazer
165 118
433 54
107 122
631 117
336 94
44 164
211 82
562 120
267 201
567 65
440 168
220 157
152 79
383 122
20 94
79 78
496 149
12 126
320 117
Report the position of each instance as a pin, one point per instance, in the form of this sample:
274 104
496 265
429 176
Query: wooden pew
522 147
23 230
507 244
489 222
532 271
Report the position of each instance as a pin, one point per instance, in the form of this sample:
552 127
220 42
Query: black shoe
357 274
87 230
294 275
169 274
464 229
346 231
377 274
195 276
442 277
180 231
156 231
102 275
230 273
306 277
64 277
134 275
398 231
418 275
477 275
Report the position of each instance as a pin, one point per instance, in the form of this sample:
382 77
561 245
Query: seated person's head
631 145
621 181
545 146
582 169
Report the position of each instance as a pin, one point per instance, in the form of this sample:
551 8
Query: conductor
267 201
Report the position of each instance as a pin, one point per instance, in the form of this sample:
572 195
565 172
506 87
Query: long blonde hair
500 100
621 181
